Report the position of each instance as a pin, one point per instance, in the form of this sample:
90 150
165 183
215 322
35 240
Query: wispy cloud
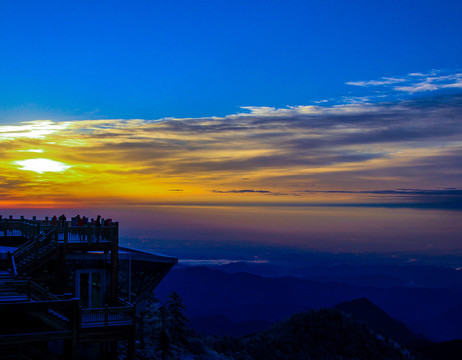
240 191
404 192
382 81
416 82
261 151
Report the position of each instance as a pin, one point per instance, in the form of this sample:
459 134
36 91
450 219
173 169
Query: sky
323 125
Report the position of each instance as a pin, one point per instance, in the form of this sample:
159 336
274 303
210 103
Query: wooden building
67 289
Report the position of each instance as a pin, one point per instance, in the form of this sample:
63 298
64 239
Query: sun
42 165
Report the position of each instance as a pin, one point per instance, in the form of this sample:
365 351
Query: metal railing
108 316
39 293
88 234
66 231
17 290
38 246
28 291
45 235
24 290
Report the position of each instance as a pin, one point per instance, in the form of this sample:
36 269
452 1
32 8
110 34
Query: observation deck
64 276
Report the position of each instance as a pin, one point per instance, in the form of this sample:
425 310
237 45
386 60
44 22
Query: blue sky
154 59
238 121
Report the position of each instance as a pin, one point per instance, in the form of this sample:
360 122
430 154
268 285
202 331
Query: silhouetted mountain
323 334
220 325
378 320
244 297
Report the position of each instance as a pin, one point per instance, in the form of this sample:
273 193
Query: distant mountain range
410 275
235 303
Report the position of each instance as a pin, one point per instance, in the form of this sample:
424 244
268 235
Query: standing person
75 220
62 220
98 227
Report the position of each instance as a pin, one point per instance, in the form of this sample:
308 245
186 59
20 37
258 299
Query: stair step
59 316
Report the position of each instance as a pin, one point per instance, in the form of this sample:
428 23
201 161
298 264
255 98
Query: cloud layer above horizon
361 152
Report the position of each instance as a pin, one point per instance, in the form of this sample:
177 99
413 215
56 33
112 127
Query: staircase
33 253
5 275
10 289
21 290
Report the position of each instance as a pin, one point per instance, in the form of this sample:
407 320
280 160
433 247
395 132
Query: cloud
383 81
417 82
240 191
37 129
410 193
449 198
346 147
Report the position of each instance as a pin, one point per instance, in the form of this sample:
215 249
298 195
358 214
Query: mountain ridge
244 297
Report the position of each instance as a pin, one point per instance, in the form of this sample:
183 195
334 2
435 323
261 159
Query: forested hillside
323 334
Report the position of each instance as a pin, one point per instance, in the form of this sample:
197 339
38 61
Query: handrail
33 242
108 316
31 248
41 293
27 289
13 266
66 231
124 302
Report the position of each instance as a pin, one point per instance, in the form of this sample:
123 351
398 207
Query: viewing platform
65 232
69 281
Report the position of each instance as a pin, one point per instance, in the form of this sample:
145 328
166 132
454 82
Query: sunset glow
42 165
327 155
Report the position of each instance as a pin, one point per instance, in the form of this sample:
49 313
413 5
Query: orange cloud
278 151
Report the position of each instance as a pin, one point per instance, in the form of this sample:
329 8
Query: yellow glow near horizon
239 158
42 165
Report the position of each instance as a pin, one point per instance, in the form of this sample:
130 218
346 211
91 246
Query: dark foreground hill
326 334
378 320
323 334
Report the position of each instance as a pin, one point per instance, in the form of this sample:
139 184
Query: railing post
66 233
89 233
36 249
106 315
22 225
28 289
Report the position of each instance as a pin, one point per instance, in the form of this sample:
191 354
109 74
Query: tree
177 322
150 325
